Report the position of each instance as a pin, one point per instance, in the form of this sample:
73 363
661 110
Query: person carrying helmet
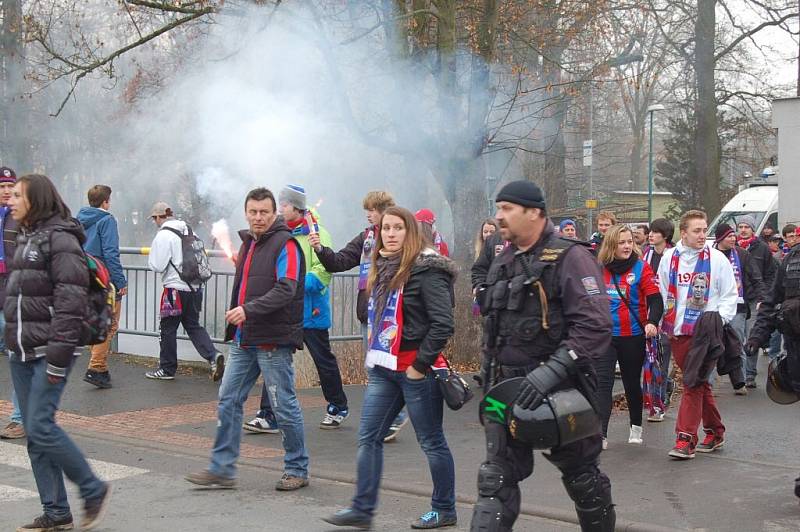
547 318
781 310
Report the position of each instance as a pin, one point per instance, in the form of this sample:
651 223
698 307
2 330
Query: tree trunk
707 141
636 161
555 164
14 127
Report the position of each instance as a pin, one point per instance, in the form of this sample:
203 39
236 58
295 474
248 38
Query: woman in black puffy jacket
45 304
410 320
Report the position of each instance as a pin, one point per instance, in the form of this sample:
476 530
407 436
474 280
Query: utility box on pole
786 118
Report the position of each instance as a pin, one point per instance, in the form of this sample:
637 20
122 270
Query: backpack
101 300
195 269
101 297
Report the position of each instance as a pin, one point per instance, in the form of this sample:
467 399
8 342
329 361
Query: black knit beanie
525 193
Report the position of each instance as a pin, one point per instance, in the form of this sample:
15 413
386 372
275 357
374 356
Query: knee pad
487 516
491 479
591 491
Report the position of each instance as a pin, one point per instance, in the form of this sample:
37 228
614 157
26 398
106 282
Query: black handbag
454 388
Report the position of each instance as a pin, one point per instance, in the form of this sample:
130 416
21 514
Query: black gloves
751 347
544 379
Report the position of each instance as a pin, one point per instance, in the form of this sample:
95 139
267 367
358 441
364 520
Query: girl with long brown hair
636 308
410 321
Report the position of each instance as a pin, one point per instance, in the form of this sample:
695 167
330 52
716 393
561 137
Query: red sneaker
684 447
711 443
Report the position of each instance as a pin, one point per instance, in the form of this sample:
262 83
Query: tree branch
748 34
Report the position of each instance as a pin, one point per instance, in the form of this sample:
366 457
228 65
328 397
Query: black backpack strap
175 231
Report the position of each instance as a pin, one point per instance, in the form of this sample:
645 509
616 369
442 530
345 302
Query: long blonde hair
610 242
412 247
479 237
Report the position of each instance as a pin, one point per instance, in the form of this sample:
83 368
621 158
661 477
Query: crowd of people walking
560 315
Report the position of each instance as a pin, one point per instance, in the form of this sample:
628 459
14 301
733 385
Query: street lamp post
650 111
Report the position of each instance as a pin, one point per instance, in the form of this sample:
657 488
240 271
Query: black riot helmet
779 387
564 417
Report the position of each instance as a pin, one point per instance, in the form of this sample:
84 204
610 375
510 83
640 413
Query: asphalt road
149 434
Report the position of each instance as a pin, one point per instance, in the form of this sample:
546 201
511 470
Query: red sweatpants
697 404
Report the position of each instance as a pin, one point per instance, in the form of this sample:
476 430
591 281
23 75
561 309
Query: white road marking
10 493
17 456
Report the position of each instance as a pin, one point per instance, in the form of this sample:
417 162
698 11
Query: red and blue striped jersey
635 284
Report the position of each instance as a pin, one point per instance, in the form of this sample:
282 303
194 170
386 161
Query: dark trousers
630 352
792 344
330 379
515 459
192 304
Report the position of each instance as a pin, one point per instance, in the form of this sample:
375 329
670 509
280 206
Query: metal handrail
140 317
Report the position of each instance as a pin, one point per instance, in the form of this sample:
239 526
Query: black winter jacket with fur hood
428 308
47 293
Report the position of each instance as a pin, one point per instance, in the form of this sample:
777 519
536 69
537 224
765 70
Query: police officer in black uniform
781 310
541 293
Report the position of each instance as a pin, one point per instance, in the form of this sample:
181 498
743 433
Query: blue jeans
330 379
242 369
385 396
16 413
749 363
53 454
775 345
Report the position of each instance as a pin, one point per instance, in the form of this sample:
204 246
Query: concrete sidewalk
746 486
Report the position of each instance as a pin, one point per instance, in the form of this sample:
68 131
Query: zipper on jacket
19 303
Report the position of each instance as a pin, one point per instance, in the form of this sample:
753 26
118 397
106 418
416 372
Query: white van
759 201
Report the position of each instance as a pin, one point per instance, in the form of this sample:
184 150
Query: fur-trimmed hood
430 259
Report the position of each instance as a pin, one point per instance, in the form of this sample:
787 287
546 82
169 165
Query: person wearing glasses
180 303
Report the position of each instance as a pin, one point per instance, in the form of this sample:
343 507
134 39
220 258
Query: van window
731 218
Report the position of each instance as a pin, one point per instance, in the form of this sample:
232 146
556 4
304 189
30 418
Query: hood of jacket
429 259
57 223
278 225
88 216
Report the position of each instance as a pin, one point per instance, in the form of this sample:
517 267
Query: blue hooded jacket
102 241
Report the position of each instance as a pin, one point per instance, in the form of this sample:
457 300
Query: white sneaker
260 425
657 416
636 435
605 443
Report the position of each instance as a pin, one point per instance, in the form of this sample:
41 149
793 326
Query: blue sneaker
434 519
334 417
262 425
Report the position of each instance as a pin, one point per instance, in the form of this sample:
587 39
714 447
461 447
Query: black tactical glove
544 379
751 347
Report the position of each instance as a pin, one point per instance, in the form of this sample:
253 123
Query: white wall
786 118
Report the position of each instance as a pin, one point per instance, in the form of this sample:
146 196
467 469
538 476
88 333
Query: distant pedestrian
433 238
410 320
640 234
568 229
358 252
636 309
487 228
699 291
46 300
303 222
768 266
789 238
751 291
102 241
265 324
180 303
605 219
15 428
662 232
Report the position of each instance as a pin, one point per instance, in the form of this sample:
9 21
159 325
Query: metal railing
140 308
